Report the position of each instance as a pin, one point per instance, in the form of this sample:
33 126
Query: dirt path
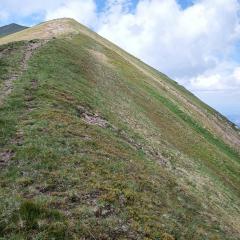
8 83
29 50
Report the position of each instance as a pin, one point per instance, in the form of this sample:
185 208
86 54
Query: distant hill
11 28
95 144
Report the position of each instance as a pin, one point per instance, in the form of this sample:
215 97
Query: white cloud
178 42
82 10
27 7
236 75
224 77
207 82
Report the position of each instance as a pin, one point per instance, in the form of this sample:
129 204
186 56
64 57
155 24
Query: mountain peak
13 24
47 30
10 29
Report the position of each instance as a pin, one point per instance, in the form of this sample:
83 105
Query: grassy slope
9 61
155 172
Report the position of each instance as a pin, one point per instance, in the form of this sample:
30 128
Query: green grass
10 60
68 179
196 126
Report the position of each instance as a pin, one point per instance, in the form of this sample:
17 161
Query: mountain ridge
98 145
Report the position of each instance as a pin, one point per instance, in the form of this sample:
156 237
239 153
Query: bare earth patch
100 57
5 156
92 118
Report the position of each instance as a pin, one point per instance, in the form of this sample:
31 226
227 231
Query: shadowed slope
10 29
98 145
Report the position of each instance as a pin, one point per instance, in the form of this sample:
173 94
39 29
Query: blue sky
195 42
36 17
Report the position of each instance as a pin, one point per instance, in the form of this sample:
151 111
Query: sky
195 42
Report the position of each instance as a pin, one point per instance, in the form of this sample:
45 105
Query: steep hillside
11 28
97 145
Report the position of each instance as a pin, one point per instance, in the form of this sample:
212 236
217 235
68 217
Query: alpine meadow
95 144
